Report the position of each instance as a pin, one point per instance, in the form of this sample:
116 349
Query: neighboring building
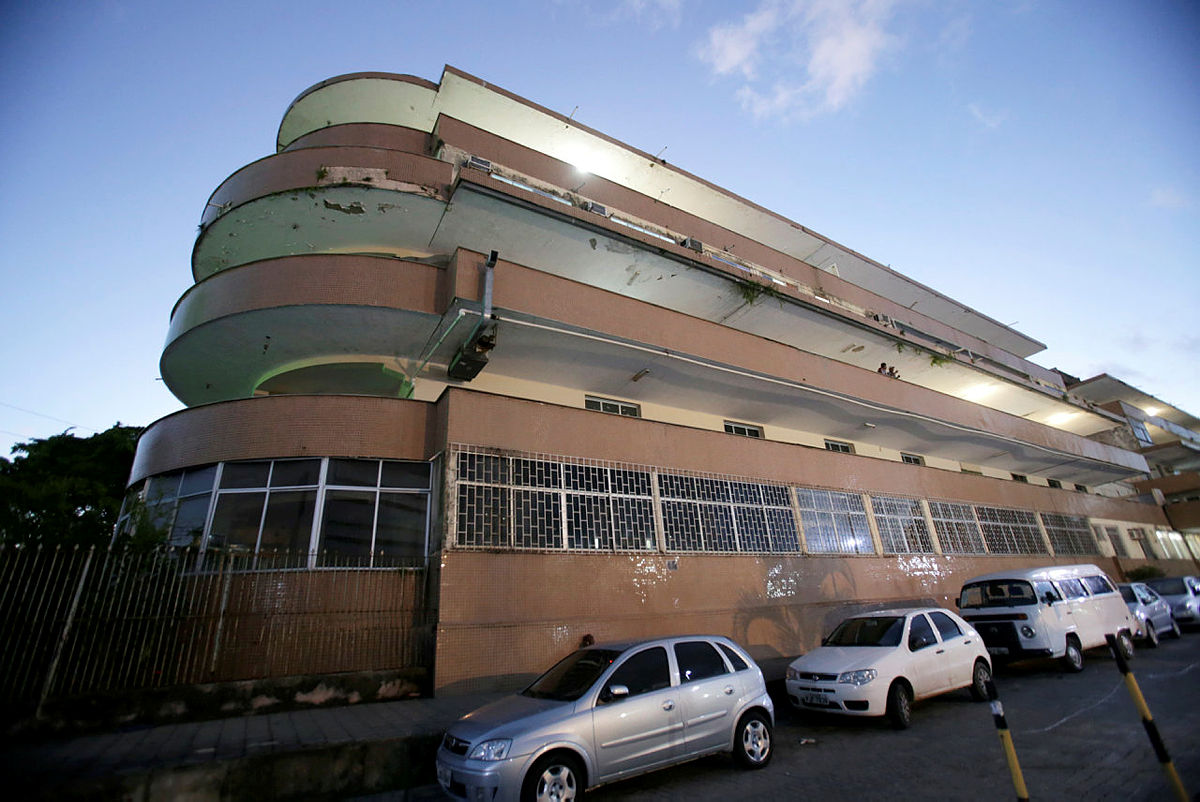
604 395
1169 439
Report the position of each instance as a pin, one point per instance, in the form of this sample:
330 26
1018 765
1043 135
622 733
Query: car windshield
1128 595
572 675
1169 587
868 631
997 593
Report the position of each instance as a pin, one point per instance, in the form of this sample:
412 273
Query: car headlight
860 677
793 673
491 750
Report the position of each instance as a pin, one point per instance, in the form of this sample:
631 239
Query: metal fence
80 621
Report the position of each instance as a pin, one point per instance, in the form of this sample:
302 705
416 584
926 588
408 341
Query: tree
65 489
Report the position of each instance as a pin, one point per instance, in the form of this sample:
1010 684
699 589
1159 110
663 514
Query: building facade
596 394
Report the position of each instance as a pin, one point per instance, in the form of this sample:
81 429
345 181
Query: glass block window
1010 531
612 407
743 429
956 528
901 524
834 522
1069 534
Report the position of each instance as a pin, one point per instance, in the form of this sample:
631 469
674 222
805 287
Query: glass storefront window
236 521
346 525
354 472
288 522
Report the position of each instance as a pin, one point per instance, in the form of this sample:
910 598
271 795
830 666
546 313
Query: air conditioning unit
479 164
595 208
693 244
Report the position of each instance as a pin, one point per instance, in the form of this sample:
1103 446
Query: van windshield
997 593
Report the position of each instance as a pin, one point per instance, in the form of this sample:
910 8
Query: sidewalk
329 753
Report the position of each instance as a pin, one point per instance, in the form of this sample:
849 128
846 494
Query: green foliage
937 360
1144 572
66 489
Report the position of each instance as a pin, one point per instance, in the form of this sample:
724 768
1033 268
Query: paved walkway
332 753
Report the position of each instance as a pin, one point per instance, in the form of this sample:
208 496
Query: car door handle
669 704
728 690
940 651
966 643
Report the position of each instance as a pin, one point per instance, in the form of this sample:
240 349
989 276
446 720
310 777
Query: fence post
228 576
66 633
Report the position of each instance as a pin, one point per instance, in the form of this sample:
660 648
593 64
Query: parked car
1151 613
1057 611
878 663
608 712
1183 594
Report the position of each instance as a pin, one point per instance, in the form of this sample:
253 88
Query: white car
878 663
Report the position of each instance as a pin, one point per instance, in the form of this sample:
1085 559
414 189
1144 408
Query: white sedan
878 663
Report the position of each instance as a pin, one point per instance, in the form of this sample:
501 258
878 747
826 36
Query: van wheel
1151 634
1175 631
752 741
899 705
556 777
1125 643
979 680
1072 659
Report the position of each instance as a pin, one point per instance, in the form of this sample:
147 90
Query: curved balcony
285 426
321 323
323 199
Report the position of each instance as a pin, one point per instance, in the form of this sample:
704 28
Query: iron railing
77 621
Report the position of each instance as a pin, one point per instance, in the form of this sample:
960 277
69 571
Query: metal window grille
901 524
834 522
1069 534
1114 537
1010 531
956 528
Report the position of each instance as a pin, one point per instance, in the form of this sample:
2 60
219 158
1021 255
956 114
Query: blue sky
1038 161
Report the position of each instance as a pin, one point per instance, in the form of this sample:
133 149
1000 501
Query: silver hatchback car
608 712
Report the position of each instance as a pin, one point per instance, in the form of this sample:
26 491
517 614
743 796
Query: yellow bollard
1010 752
1156 741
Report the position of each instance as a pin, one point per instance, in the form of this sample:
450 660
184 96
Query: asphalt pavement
1076 736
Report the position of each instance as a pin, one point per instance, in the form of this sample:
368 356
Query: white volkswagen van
1059 612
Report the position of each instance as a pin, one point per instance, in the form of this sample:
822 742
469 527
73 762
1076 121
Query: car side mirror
1049 598
614 692
958 604
920 642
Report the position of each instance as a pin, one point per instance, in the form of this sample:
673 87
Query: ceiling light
978 392
1151 411
1060 418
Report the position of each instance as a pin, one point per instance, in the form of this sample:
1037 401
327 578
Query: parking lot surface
1077 736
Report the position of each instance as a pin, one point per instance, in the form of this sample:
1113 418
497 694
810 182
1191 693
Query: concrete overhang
422 220
415 103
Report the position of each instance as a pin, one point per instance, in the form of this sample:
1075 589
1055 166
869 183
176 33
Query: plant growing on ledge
322 171
937 360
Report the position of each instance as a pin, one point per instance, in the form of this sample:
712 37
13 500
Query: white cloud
1168 198
835 44
655 12
987 117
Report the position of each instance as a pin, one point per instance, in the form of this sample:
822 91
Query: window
698 660
612 407
1010 531
735 659
912 459
839 447
1020 477
744 429
644 672
901 525
1140 432
1081 488
1069 534
1098 584
1114 537
956 528
920 634
946 626
833 522
1072 588
1054 483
